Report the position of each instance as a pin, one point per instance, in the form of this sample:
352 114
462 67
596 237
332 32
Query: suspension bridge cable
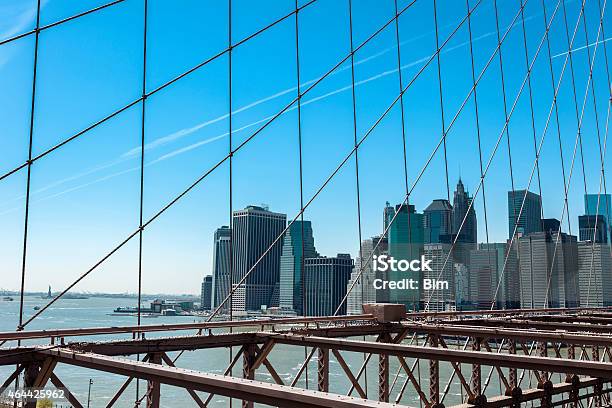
532 114
504 100
154 91
589 82
358 193
478 138
496 145
301 173
510 245
29 171
142 151
39 28
439 67
219 163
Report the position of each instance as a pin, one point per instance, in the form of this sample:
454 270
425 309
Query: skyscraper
595 274
221 267
485 279
531 217
363 289
549 277
206 294
291 264
443 298
587 230
605 210
462 210
605 205
406 243
325 282
255 229
437 220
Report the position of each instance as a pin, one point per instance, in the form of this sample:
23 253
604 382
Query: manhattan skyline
85 196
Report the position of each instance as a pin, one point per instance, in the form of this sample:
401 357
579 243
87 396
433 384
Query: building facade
221 280
442 270
593 226
325 281
363 287
437 221
291 262
255 229
530 219
595 274
206 293
463 210
548 275
405 238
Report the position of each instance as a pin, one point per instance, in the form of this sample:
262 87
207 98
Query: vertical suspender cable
503 89
354 101
435 11
477 120
29 172
142 151
301 174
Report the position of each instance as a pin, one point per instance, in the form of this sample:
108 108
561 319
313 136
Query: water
94 312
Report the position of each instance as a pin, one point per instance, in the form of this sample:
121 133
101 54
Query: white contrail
562 54
134 153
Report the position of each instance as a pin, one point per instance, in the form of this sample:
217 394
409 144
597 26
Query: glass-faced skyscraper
438 220
530 219
405 241
291 265
254 230
221 267
605 209
325 282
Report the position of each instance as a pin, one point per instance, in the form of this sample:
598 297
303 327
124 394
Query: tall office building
587 230
548 277
595 274
291 264
511 278
485 275
206 294
605 205
531 217
221 283
363 287
437 220
325 282
406 243
254 231
442 271
462 210
605 209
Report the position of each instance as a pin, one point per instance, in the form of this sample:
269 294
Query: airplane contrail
135 152
562 54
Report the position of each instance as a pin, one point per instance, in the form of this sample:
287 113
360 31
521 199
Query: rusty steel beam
531 324
92 331
323 370
165 344
591 368
464 329
250 390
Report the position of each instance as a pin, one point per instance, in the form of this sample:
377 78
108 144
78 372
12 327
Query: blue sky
85 196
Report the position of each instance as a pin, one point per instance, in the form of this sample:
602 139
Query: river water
94 312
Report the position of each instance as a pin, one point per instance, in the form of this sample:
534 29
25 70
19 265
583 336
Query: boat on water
8 299
36 307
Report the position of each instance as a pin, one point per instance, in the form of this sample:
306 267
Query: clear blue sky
85 196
